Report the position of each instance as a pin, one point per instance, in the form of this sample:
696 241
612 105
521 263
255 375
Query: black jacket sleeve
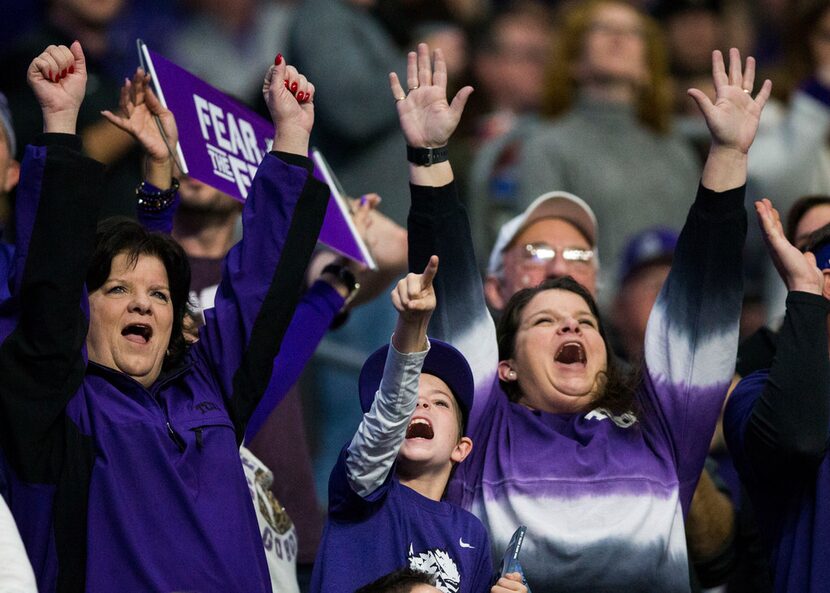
41 357
789 421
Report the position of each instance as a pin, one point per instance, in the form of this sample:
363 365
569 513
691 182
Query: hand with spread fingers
733 117
290 100
426 118
58 78
732 120
138 109
798 270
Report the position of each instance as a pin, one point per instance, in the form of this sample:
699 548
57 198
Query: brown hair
654 100
799 209
616 387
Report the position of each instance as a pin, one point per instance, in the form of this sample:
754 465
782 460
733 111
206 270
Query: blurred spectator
611 145
88 21
18 19
790 157
9 176
808 214
9 167
243 36
510 56
645 265
349 47
511 53
554 237
693 29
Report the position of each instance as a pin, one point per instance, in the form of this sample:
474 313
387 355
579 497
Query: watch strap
425 157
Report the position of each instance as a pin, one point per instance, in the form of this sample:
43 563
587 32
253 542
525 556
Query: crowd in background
542 117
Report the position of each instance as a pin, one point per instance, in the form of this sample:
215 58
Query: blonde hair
654 98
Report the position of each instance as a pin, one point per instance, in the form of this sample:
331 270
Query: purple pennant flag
221 143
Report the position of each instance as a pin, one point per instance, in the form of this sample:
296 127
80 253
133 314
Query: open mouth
138 333
419 428
571 353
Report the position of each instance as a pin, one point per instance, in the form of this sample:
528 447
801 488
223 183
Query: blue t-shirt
394 527
793 510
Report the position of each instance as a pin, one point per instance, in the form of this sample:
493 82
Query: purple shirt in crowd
603 497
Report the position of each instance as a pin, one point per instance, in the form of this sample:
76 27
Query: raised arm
263 273
44 326
786 428
438 222
692 335
383 428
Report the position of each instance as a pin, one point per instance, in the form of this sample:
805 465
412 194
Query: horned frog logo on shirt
625 420
439 564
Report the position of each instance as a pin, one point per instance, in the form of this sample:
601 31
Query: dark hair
118 235
617 387
817 239
799 209
402 580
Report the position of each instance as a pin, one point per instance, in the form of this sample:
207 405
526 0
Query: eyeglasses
542 253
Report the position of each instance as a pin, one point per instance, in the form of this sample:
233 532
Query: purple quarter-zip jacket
147 491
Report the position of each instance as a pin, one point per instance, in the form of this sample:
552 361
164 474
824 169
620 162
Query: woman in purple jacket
130 436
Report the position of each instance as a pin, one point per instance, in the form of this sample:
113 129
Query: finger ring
399 99
412 88
747 91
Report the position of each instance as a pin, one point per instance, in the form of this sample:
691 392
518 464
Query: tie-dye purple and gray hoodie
604 503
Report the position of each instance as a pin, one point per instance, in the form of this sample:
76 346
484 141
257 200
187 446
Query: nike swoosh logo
463 544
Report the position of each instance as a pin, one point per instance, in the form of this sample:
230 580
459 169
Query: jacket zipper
171 432
176 437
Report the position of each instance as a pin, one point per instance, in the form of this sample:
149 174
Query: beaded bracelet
155 200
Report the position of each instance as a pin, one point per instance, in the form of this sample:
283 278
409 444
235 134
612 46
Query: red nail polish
286 83
50 76
294 87
278 60
71 69
63 73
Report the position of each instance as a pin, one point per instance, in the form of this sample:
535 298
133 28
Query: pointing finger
429 273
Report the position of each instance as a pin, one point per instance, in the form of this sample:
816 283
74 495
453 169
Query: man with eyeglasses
555 236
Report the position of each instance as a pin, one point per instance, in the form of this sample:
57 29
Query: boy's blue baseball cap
443 361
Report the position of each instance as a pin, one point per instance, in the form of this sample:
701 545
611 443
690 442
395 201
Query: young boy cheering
385 508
